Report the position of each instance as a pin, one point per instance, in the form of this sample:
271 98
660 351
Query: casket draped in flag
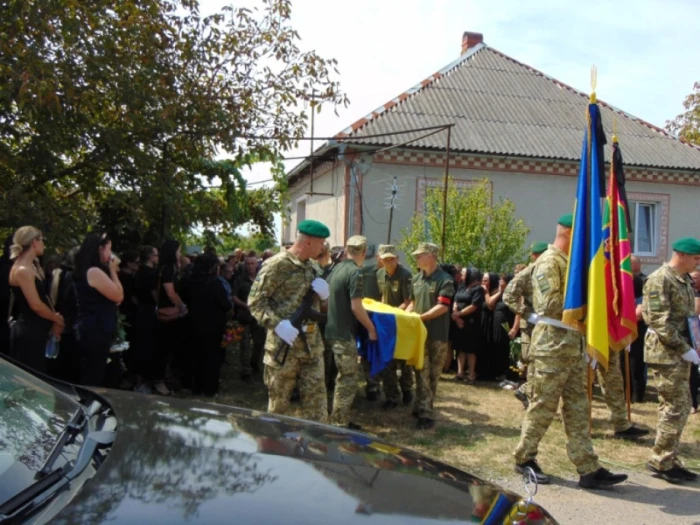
400 335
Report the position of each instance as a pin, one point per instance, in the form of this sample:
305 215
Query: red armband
444 300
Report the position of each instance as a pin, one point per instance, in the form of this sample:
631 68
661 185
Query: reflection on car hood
176 461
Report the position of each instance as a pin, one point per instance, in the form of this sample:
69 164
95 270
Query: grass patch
478 427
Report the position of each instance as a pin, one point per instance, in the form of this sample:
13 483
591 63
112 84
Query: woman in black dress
486 367
500 338
208 306
34 318
146 364
98 292
466 313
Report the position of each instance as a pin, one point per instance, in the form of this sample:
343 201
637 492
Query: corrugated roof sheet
500 106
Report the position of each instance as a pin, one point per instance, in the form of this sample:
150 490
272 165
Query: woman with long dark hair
147 365
466 313
35 317
170 309
486 367
208 308
500 338
98 292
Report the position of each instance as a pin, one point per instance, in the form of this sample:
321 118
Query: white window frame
654 233
661 203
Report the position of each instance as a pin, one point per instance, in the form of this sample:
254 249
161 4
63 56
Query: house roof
500 106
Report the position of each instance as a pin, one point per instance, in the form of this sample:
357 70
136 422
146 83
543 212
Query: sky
647 51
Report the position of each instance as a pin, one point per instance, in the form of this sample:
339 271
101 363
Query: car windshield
32 414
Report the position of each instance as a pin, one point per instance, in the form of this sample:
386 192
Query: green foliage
477 233
226 243
124 110
686 126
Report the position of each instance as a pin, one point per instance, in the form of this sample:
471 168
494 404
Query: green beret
687 245
538 247
314 229
566 220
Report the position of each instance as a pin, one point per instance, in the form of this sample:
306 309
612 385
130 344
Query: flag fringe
595 354
623 343
573 318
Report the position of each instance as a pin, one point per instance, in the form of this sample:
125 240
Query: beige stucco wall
328 209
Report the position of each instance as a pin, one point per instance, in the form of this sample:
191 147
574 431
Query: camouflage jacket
277 293
518 297
548 285
668 302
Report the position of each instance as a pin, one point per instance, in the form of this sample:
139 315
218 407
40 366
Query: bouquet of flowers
120 344
232 334
516 365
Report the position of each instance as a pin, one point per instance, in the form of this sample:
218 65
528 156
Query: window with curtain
643 216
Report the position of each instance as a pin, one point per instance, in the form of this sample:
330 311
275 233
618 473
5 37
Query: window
644 228
301 210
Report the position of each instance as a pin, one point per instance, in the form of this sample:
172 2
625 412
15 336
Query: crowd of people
302 315
65 315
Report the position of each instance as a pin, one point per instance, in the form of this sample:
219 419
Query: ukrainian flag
585 302
400 335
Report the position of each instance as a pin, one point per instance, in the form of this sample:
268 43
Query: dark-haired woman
500 337
34 317
98 292
466 313
129 306
208 305
171 308
486 368
147 364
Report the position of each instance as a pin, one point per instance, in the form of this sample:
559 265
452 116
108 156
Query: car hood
178 461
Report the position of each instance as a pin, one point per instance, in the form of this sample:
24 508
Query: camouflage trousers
427 378
252 353
345 353
303 369
674 407
614 391
526 387
558 378
391 380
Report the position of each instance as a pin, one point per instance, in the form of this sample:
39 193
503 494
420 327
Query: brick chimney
469 40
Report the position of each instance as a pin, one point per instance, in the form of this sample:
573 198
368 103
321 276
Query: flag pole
591 372
628 389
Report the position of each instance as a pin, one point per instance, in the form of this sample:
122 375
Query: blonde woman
35 317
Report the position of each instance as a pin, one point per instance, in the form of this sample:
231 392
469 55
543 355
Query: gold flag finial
614 135
594 82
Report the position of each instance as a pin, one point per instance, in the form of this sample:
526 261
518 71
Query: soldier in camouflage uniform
395 286
518 297
344 311
276 294
613 388
369 274
668 303
560 368
432 290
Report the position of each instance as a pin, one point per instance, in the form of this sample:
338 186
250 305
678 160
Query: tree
686 126
104 103
477 234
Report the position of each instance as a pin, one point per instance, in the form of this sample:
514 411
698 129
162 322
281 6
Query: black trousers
694 385
637 373
94 351
207 364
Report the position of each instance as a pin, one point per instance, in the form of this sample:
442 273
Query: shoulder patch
654 301
542 282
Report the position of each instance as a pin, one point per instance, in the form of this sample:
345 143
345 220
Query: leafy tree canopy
686 126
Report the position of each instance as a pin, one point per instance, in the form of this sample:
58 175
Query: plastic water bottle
52 347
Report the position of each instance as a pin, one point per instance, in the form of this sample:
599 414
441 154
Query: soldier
432 290
344 311
253 339
668 303
395 286
614 393
276 294
518 297
324 267
560 368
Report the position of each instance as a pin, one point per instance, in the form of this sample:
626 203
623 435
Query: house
515 126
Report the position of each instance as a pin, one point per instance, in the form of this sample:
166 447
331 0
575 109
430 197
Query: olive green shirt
345 283
668 302
369 274
395 289
428 291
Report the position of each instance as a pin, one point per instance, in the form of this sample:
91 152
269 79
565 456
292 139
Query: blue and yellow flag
585 303
400 335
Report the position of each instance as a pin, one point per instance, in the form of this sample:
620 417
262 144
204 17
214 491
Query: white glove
321 288
692 356
286 331
533 318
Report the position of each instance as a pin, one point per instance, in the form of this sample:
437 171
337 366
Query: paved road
642 500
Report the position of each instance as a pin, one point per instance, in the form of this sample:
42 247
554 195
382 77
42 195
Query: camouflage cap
427 247
687 245
314 229
386 250
538 247
566 220
357 241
